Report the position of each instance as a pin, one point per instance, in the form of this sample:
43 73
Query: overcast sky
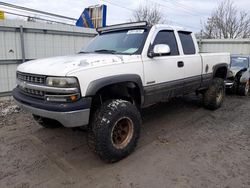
186 13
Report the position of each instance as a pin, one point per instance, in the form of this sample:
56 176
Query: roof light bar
121 26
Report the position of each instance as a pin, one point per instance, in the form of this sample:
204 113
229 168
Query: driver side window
167 37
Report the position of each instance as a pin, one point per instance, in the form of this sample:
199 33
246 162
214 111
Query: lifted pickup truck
125 68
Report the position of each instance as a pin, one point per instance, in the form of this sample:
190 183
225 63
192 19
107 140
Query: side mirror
159 49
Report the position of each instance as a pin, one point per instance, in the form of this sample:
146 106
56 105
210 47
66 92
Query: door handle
180 64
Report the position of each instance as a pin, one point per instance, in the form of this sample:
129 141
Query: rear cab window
167 37
187 42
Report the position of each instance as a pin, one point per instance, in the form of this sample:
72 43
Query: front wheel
115 130
244 89
215 94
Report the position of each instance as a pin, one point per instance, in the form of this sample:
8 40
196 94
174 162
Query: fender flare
96 85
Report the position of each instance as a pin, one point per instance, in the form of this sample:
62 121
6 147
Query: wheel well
129 91
221 72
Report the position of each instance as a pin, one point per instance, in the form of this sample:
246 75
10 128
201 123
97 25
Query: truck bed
209 60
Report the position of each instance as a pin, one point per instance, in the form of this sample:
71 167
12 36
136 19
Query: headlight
230 74
63 82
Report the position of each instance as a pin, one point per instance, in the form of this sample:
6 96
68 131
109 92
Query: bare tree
227 22
150 13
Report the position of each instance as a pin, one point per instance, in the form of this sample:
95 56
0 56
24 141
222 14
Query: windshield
239 62
119 42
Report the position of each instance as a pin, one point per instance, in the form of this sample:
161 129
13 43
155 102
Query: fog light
56 99
62 98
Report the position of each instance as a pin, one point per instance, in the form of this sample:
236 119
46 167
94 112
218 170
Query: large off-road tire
244 89
46 122
215 94
114 130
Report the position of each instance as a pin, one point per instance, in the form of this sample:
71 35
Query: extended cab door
163 74
191 61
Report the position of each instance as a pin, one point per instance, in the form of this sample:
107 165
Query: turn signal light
73 98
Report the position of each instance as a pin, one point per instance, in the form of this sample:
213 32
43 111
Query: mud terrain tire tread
210 96
242 89
103 121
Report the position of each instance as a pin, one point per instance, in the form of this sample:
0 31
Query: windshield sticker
130 50
138 31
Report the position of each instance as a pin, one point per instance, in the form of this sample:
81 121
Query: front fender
244 77
96 85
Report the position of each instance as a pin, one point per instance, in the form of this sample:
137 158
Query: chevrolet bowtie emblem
22 84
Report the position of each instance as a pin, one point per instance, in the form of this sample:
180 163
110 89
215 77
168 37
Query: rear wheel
115 130
244 89
46 122
214 96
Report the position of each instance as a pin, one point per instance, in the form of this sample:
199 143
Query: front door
163 74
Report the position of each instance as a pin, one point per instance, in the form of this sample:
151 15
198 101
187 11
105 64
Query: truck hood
61 66
235 70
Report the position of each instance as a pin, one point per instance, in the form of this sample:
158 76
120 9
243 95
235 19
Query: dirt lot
181 145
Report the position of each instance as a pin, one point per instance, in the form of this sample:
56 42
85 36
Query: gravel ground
181 145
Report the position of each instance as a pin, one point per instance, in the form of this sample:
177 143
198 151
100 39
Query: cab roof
137 25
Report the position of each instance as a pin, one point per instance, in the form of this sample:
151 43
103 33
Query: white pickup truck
125 68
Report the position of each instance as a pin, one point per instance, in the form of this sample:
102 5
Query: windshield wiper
106 51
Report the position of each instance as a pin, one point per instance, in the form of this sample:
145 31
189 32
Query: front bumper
229 84
68 114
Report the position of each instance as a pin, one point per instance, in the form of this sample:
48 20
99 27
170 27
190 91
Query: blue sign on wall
88 19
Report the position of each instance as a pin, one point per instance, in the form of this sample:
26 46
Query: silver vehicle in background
239 75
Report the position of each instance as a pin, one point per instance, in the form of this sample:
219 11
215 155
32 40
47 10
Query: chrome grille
36 79
32 92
